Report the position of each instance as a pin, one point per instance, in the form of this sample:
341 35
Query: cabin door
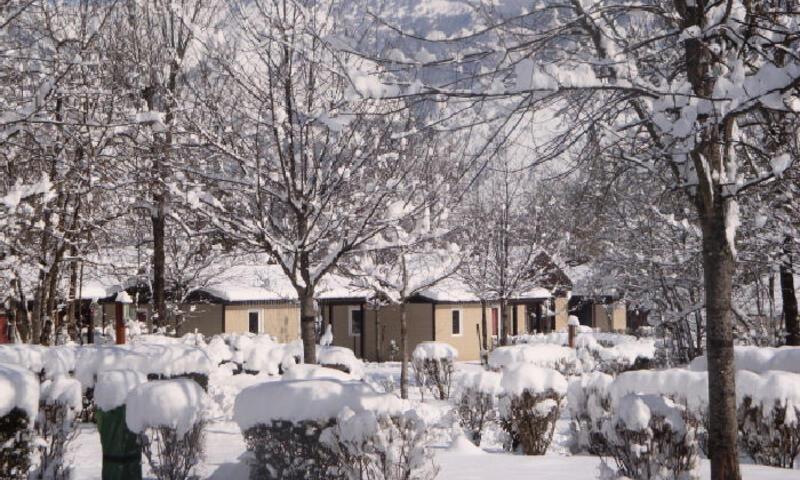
495 321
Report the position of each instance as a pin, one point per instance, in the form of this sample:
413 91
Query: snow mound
328 355
463 446
19 388
112 387
543 355
176 404
434 351
758 359
315 372
524 377
299 400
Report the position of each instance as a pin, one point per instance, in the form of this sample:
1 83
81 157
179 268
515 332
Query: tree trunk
718 268
790 317
308 332
505 315
159 301
484 340
404 351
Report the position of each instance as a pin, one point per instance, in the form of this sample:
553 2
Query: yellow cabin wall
281 320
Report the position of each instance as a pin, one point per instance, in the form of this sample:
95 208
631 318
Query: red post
119 323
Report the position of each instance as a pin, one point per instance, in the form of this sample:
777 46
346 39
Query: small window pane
253 322
456 322
356 322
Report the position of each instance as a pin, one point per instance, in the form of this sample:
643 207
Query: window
356 321
456 316
253 326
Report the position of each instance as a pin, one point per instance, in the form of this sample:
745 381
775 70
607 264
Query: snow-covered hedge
758 359
340 358
530 405
315 372
47 362
19 400
477 402
266 356
434 365
168 415
113 386
649 438
323 428
557 357
606 352
589 405
60 403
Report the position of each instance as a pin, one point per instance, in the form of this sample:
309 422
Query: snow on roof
537 292
258 282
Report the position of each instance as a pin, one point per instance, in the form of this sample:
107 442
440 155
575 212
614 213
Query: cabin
246 298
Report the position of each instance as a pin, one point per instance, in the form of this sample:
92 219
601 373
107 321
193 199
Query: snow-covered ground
225 451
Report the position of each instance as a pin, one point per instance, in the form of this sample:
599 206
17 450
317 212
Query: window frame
460 322
350 311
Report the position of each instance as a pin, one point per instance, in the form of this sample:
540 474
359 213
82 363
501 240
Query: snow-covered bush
315 372
543 355
648 438
60 404
168 416
590 407
769 409
477 403
381 445
218 351
19 400
530 406
433 364
266 356
285 439
340 358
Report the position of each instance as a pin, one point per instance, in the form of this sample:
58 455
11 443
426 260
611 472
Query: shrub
168 417
770 435
61 403
290 450
530 406
172 455
15 438
477 404
381 446
590 407
649 438
529 420
433 364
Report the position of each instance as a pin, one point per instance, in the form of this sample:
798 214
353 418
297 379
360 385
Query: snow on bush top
582 388
149 358
769 389
218 351
544 355
435 351
328 355
635 412
19 388
684 385
62 391
521 377
266 356
315 372
482 381
176 404
58 360
758 359
113 386
299 400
